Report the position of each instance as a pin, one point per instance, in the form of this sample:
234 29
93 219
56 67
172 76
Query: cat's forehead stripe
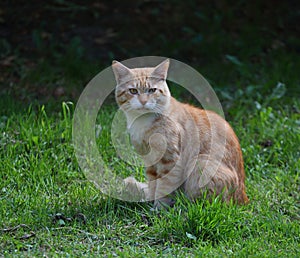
143 82
141 76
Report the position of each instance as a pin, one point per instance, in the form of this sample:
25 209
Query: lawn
49 208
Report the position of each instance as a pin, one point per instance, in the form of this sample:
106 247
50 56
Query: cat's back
211 127
206 120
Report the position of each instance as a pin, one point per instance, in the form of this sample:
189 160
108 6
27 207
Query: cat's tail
241 196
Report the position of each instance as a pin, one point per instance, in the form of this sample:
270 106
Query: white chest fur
137 126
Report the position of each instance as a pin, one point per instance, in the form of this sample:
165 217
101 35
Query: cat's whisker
159 109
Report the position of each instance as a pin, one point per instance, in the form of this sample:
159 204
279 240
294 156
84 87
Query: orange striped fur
184 147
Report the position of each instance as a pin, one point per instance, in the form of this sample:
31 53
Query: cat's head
142 89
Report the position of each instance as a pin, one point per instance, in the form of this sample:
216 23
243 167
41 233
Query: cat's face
142 89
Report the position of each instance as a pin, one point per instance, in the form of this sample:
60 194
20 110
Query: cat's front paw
130 181
136 191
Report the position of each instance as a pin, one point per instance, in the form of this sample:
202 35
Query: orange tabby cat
184 147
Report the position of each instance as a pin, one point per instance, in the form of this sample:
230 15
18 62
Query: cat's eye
133 91
151 90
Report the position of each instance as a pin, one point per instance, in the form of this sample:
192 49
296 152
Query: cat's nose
143 100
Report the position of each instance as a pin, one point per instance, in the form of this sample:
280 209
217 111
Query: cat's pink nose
143 102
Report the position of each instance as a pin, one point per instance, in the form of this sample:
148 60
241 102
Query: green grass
48 207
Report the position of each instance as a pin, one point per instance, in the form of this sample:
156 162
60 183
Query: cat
184 147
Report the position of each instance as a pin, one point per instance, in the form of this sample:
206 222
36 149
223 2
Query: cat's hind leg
215 178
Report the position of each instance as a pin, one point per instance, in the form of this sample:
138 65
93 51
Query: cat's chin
144 110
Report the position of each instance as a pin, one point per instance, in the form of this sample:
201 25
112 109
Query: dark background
53 48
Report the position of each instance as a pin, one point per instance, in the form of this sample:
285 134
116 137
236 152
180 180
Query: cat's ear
121 72
161 71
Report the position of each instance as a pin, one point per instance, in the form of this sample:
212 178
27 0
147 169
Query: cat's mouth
144 108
